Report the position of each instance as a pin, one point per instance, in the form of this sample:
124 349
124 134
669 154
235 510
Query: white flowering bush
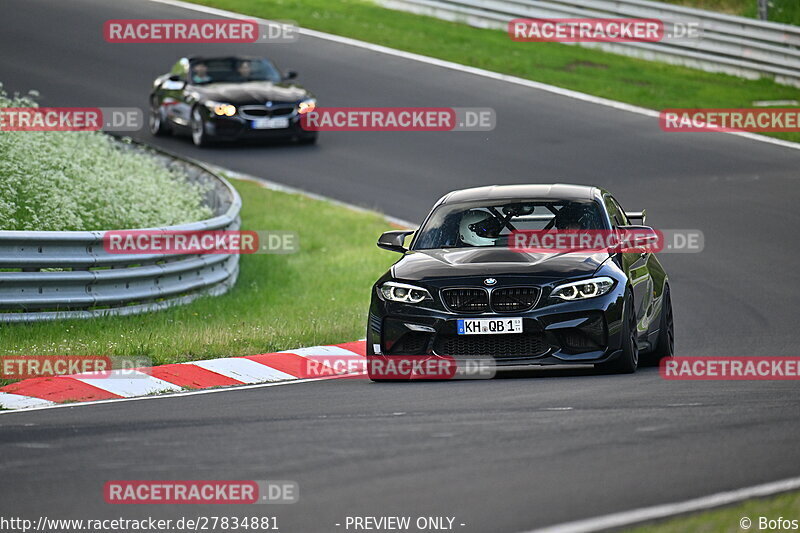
85 181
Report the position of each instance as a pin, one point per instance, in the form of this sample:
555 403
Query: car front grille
466 300
262 111
503 300
511 299
497 346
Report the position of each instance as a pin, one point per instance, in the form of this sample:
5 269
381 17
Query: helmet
479 228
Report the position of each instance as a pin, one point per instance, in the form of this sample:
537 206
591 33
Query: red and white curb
289 365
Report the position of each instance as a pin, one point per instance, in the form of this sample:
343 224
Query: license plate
489 326
270 123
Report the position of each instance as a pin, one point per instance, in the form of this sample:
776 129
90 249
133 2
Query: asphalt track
500 456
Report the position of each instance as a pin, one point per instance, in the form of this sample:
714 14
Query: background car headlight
221 108
401 292
580 290
306 106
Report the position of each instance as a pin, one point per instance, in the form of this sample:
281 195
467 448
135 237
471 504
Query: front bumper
578 332
238 128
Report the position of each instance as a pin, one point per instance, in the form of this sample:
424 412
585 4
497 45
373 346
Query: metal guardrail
48 275
739 46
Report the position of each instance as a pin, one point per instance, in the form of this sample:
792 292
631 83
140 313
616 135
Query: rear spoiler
640 216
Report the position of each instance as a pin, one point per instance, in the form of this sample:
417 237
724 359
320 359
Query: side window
623 218
615 212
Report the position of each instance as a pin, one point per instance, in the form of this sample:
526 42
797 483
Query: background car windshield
233 70
481 224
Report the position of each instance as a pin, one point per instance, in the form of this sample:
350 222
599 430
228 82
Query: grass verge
644 83
319 295
727 520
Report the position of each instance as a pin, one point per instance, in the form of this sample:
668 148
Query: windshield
490 224
233 70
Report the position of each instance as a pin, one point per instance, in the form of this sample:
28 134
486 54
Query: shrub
86 181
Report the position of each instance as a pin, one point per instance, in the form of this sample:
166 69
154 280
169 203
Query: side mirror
639 239
394 240
290 75
637 216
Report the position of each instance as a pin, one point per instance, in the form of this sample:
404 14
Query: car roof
554 191
196 59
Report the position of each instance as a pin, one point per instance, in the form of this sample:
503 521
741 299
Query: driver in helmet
479 228
575 217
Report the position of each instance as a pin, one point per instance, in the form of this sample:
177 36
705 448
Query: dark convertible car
461 291
229 98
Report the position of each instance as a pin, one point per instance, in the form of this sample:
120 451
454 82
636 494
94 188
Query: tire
200 136
628 360
157 124
312 139
665 346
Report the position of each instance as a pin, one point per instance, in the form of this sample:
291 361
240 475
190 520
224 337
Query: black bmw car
461 291
229 98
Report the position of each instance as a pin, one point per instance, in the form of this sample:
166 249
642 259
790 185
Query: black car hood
254 92
426 264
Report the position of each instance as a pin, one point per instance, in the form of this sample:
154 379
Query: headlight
400 292
306 106
580 290
221 108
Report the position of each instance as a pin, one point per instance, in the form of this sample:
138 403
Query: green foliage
59 181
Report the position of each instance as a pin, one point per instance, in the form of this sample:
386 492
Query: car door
173 94
636 266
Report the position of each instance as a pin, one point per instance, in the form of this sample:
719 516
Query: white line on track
645 514
471 70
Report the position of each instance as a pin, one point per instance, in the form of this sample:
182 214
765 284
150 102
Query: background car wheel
156 122
199 134
311 139
666 334
628 361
